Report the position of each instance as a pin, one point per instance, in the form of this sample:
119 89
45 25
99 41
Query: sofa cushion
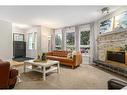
61 59
60 53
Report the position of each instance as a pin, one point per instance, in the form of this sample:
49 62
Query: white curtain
53 40
77 38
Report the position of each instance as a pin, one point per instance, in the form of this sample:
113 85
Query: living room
49 48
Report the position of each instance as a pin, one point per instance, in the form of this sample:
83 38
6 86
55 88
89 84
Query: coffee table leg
18 78
44 74
24 67
58 68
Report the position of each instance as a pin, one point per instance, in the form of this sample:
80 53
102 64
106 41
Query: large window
85 41
70 41
30 41
18 37
58 40
106 26
117 23
121 21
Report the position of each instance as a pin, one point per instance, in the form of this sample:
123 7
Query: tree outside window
85 41
58 41
70 41
106 26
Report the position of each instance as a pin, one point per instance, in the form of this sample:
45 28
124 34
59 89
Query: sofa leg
11 86
72 67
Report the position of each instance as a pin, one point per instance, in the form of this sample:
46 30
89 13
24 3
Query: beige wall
43 34
6 44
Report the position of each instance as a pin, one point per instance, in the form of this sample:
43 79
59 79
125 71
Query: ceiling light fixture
105 10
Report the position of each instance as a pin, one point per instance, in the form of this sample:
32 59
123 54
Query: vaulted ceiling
52 16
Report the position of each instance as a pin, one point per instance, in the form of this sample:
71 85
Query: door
32 45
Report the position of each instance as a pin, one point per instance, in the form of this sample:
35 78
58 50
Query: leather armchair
116 84
8 76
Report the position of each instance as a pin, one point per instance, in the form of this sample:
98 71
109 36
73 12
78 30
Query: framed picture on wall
121 21
106 26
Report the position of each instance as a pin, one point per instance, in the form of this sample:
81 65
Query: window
116 23
106 26
121 21
30 41
70 41
18 37
58 40
35 40
85 41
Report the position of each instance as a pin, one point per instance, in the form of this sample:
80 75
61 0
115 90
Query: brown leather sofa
62 57
8 77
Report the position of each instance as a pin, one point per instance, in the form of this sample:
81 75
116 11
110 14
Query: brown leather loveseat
8 77
62 57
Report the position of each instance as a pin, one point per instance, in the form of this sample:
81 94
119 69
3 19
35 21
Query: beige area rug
83 77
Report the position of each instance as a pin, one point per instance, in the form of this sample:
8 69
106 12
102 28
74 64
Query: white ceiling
52 16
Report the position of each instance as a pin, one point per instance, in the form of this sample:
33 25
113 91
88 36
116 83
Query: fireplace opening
116 56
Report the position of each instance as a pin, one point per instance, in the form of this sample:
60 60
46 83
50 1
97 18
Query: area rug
83 77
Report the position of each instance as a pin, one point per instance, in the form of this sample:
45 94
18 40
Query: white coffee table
41 66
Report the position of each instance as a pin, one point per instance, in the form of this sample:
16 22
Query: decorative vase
43 57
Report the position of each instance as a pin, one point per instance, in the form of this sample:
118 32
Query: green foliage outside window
58 48
58 40
84 37
70 38
70 41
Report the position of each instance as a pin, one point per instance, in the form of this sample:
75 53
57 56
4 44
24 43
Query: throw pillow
73 53
69 55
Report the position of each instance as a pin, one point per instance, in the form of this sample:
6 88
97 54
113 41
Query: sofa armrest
13 73
116 84
77 58
49 54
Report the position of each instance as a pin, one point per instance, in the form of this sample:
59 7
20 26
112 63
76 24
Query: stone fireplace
110 42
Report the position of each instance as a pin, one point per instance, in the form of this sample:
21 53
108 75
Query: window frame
84 29
120 14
